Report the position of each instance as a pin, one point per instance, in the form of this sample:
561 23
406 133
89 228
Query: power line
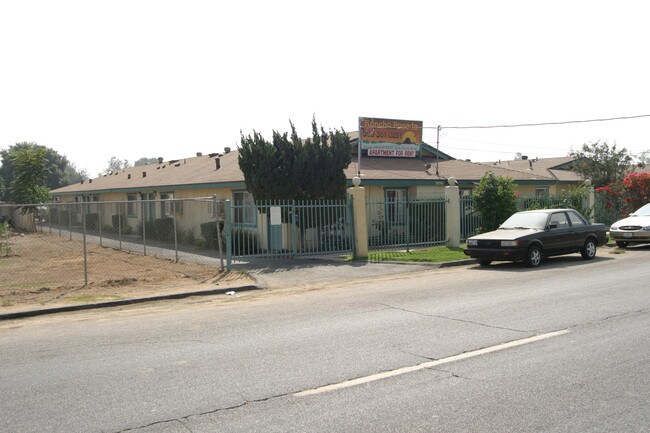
518 125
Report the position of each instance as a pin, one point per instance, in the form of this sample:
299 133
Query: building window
131 208
541 192
169 206
244 207
396 206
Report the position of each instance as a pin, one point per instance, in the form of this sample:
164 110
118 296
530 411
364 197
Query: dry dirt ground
38 270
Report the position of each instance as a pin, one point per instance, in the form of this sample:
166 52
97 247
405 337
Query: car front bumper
505 254
641 236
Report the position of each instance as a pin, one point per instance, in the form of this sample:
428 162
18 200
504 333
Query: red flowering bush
638 190
626 196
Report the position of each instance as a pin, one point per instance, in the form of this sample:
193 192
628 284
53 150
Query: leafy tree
73 175
644 158
59 171
145 161
28 187
290 168
495 199
601 163
115 164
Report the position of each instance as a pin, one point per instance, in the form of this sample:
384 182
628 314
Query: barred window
244 206
541 192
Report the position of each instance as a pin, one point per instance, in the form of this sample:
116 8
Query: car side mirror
552 226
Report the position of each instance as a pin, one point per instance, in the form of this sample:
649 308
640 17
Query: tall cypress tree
289 168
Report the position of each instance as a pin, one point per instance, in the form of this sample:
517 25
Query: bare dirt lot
38 270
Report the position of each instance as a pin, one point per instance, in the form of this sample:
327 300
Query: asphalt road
411 342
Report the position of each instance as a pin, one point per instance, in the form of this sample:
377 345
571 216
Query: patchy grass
432 254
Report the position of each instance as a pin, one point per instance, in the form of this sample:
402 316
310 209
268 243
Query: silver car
634 229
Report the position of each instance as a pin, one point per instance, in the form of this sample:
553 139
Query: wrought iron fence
577 202
470 222
470 218
606 211
406 223
288 228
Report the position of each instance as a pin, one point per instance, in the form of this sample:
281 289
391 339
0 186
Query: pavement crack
184 419
428 358
452 375
612 316
452 318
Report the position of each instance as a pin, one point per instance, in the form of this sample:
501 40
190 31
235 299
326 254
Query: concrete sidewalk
267 275
311 272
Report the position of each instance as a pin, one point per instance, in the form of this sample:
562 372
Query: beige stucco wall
190 213
429 191
555 189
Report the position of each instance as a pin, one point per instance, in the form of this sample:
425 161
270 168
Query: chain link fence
90 242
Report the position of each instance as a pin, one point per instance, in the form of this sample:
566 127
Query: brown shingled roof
375 168
202 170
186 171
547 167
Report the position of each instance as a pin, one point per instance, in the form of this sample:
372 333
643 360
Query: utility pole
437 147
359 149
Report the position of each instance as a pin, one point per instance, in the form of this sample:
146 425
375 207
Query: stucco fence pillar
358 194
452 218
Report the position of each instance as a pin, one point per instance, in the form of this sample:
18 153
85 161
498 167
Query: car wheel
589 249
621 244
485 262
533 256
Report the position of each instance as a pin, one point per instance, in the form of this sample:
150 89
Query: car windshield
643 211
526 220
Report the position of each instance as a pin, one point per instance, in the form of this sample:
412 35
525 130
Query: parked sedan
532 235
632 230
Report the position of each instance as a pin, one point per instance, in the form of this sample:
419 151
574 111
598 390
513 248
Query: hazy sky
143 78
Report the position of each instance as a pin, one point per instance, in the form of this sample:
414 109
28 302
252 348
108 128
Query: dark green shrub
495 200
209 233
118 221
161 229
92 221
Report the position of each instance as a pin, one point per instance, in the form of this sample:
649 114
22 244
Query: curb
80 307
260 284
460 262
